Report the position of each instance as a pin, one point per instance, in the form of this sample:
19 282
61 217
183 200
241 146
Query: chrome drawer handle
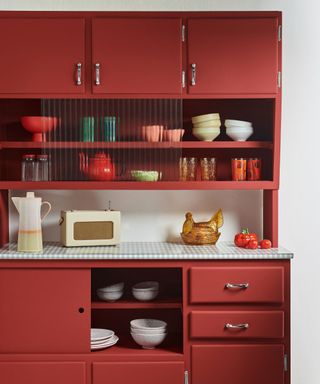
237 286
97 67
237 326
79 81
193 73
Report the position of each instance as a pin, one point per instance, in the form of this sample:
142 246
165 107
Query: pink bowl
39 125
173 134
152 133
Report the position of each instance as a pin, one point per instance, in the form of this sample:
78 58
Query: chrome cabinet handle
97 67
237 326
79 67
237 286
193 73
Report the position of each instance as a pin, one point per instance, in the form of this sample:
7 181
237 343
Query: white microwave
88 228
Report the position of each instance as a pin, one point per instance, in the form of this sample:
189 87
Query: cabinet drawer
43 372
237 324
142 372
237 285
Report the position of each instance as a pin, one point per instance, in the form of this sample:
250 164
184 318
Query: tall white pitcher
30 234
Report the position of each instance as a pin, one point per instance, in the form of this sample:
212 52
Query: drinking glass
208 168
187 168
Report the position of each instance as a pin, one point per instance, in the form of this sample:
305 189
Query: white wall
300 186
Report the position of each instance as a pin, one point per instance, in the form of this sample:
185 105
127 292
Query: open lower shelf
126 304
135 144
128 347
141 185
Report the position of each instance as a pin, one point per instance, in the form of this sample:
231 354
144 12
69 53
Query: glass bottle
28 169
42 168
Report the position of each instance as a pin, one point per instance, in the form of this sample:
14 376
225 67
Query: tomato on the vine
253 244
243 238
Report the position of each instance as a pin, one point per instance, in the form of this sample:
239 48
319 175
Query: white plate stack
206 127
102 338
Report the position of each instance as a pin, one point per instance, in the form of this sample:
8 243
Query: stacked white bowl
148 332
238 130
146 290
111 292
206 127
102 338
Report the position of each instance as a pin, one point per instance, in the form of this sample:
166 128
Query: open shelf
135 144
127 304
142 185
129 347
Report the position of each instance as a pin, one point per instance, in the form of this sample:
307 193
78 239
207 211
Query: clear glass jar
208 168
42 168
28 169
188 168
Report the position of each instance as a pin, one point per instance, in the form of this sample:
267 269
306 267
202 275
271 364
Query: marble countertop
146 251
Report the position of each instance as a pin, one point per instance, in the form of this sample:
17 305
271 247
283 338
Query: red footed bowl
39 125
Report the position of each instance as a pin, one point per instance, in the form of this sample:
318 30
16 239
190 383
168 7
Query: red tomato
243 238
253 244
265 244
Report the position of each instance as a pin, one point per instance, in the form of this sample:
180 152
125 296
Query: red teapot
99 167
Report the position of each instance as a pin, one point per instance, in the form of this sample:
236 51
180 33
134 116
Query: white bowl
145 295
208 116
109 296
237 123
148 324
148 341
148 331
239 133
146 286
208 124
113 287
206 134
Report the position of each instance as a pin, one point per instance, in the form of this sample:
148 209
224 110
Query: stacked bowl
111 293
238 130
148 332
206 127
146 290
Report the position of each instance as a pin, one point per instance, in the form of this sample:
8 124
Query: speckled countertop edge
146 251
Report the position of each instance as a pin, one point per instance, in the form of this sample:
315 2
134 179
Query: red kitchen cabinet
141 372
233 55
40 55
44 311
243 364
137 55
43 372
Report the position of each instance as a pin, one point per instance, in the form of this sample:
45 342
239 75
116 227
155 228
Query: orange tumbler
238 167
254 169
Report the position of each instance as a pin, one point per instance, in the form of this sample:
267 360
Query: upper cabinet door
41 55
137 55
233 55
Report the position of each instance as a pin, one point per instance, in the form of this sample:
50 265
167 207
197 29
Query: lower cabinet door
242 364
45 310
138 372
42 373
